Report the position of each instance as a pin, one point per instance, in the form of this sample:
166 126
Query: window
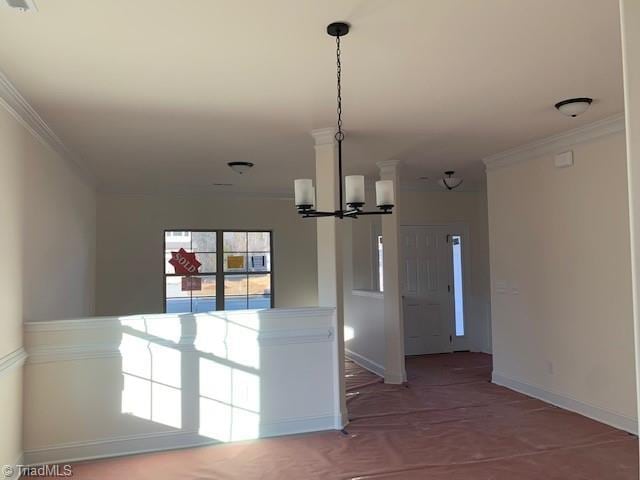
380 264
457 284
235 271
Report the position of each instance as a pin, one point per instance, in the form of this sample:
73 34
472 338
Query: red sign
191 284
184 262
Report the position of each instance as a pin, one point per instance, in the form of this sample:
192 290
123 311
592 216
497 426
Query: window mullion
219 270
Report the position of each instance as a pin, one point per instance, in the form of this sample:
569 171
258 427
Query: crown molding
12 360
14 103
388 164
556 143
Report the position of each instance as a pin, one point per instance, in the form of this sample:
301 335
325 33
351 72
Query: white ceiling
160 95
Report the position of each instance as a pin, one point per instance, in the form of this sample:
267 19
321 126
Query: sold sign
184 262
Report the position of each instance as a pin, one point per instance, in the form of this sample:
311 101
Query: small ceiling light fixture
240 167
21 5
573 107
305 192
449 181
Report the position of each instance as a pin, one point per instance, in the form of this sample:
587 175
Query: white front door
426 290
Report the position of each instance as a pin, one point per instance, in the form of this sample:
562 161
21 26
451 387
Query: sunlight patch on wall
151 381
349 333
229 402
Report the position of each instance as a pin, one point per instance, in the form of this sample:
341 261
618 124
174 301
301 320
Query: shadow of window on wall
195 374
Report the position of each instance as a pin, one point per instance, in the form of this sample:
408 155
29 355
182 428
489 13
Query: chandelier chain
339 133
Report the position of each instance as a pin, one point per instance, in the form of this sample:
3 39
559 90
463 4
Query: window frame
219 274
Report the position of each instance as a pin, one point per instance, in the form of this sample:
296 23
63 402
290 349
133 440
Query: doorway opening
434 288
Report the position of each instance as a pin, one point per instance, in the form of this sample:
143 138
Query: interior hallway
449 423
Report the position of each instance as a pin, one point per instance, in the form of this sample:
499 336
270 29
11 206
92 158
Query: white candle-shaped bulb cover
384 193
354 185
304 191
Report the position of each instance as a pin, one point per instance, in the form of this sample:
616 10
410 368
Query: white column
330 251
630 21
393 323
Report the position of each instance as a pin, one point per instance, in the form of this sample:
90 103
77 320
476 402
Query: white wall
364 329
561 277
48 243
130 241
233 376
365 232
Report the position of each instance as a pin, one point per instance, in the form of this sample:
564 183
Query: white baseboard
365 363
113 447
300 425
599 414
161 441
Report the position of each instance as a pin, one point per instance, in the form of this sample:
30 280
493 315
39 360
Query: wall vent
21 5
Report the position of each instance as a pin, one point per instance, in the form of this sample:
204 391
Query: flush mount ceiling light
449 181
573 107
21 5
305 192
240 167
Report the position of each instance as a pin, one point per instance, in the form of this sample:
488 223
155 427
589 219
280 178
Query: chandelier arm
379 212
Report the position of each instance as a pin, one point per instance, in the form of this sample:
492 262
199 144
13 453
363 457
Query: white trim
115 446
67 353
388 166
290 426
77 324
73 352
614 419
394 378
324 136
556 143
14 103
115 322
289 336
365 362
12 360
368 293
161 441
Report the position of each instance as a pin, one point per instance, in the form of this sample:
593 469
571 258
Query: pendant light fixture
449 181
305 192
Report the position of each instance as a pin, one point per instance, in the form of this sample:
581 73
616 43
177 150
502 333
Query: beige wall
130 241
561 278
48 239
630 13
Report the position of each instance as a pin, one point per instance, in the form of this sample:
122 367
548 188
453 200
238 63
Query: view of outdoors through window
243 282
380 265
458 285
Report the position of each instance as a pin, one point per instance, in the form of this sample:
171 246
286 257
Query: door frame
461 229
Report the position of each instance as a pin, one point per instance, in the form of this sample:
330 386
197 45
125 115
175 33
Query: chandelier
305 192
